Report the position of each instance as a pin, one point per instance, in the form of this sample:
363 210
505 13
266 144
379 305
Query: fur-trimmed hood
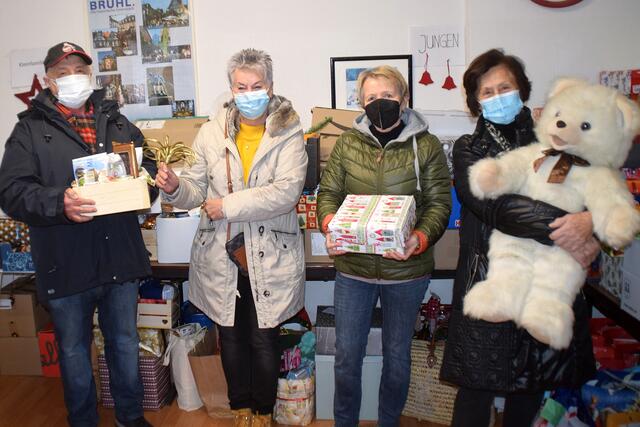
280 116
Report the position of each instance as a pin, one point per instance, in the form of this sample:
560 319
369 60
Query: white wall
302 35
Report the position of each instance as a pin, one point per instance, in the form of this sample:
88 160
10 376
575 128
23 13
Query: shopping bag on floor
206 366
181 341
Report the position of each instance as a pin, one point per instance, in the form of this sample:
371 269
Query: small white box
371 372
175 237
630 296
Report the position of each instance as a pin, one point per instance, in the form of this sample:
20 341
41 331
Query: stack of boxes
170 240
21 317
154 318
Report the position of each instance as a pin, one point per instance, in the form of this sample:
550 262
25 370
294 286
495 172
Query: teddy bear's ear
565 82
630 115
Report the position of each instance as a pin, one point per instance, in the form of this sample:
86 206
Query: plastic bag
181 341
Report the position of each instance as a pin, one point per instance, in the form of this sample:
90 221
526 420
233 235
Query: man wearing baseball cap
82 262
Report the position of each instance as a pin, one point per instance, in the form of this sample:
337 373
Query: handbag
429 398
235 247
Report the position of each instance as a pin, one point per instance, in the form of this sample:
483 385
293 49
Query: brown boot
242 417
261 420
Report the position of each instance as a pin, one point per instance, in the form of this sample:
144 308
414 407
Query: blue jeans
354 302
73 323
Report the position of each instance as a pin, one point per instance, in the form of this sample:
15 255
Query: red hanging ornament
448 82
426 77
27 96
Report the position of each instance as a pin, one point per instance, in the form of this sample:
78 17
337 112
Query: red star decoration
27 96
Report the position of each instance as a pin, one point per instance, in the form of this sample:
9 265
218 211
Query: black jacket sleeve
513 214
22 193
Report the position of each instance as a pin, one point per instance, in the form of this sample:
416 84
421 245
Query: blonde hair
387 72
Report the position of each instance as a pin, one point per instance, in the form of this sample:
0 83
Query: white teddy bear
587 130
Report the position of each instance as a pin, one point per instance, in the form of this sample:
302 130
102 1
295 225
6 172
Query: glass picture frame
345 71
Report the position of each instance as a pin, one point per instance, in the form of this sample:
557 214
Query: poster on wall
141 52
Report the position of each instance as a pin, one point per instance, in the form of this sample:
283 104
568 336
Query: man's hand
409 248
213 209
166 179
74 206
333 248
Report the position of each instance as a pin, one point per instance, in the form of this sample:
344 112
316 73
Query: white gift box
373 224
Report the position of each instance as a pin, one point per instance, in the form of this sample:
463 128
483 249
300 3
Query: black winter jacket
500 356
36 169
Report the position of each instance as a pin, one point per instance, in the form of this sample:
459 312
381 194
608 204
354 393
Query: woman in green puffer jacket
388 151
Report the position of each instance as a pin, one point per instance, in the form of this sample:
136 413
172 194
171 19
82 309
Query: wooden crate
116 196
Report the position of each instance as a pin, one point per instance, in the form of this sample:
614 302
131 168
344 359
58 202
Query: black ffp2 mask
383 113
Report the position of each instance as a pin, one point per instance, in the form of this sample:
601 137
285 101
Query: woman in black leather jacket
498 359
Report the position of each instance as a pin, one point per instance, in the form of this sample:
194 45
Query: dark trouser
250 356
473 408
73 322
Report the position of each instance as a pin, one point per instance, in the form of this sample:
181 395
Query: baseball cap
60 51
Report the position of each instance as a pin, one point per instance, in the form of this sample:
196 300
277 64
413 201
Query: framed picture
127 152
345 71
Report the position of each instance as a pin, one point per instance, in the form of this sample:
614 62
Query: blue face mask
252 104
502 109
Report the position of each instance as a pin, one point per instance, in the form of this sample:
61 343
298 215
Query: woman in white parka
257 139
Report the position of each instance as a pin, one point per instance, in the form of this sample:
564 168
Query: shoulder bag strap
229 188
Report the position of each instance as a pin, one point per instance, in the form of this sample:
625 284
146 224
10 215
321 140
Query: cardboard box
151 243
373 224
630 295
341 120
117 196
325 381
20 356
325 331
21 315
446 250
178 130
315 250
175 237
49 358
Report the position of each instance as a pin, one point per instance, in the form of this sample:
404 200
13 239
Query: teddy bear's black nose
561 124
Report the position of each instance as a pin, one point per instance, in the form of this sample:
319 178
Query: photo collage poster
141 52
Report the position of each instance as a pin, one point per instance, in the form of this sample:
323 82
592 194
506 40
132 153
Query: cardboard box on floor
341 120
184 130
20 356
21 316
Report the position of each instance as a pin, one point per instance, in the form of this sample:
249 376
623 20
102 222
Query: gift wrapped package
373 224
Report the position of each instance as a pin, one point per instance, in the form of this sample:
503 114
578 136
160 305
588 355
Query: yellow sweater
247 141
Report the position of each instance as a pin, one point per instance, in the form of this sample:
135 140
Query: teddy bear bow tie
563 165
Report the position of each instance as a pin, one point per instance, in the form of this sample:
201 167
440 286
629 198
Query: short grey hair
253 59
